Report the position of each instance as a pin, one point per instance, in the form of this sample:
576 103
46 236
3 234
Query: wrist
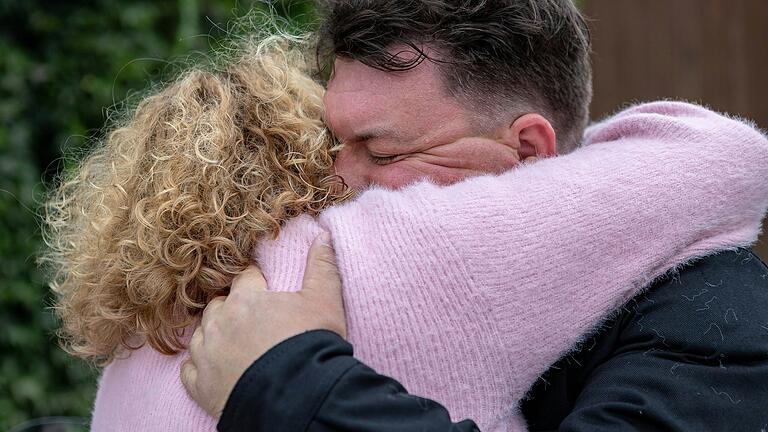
276 385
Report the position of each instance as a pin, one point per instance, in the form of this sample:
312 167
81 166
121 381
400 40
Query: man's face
400 127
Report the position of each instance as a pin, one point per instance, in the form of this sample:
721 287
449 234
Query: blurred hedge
64 64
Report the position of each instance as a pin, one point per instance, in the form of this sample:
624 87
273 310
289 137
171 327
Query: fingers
250 278
189 377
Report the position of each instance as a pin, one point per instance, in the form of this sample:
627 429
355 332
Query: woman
158 221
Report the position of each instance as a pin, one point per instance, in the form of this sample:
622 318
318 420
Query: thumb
322 273
250 279
189 378
322 283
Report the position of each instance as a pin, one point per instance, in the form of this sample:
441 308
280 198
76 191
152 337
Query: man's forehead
359 95
354 76
363 101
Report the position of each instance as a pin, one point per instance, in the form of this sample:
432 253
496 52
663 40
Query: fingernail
325 239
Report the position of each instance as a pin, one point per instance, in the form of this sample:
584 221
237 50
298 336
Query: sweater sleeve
525 264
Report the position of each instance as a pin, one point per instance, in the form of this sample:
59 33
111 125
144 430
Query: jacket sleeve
690 355
312 383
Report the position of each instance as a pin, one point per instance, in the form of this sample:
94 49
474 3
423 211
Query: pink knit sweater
467 293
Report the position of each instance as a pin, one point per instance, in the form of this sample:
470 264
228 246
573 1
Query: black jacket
691 354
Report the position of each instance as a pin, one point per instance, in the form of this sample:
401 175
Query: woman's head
161 216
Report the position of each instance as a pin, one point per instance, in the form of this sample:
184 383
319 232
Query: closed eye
382 160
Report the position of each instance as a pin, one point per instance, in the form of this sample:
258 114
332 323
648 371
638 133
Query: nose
351 169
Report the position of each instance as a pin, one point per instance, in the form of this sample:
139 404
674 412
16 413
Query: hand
238 329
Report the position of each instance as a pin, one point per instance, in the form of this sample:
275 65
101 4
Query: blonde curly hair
162 215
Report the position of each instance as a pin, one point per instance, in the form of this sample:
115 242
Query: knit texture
467 294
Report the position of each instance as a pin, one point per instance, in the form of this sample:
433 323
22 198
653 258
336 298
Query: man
410 79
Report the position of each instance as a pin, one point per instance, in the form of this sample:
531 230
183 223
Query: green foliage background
63 65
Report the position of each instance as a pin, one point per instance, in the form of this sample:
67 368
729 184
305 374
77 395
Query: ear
533 135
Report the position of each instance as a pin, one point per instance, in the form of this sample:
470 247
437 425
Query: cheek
477 155
407 172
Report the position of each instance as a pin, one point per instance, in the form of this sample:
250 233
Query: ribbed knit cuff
284 388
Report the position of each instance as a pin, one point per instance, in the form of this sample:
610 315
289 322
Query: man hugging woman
465 290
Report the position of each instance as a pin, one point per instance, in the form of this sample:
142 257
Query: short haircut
501 58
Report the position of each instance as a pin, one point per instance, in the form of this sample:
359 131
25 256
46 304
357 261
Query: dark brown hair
502 57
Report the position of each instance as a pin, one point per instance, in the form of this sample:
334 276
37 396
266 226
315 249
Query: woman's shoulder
142 390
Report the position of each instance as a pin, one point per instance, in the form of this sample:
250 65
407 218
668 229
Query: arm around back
338 394
509 272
